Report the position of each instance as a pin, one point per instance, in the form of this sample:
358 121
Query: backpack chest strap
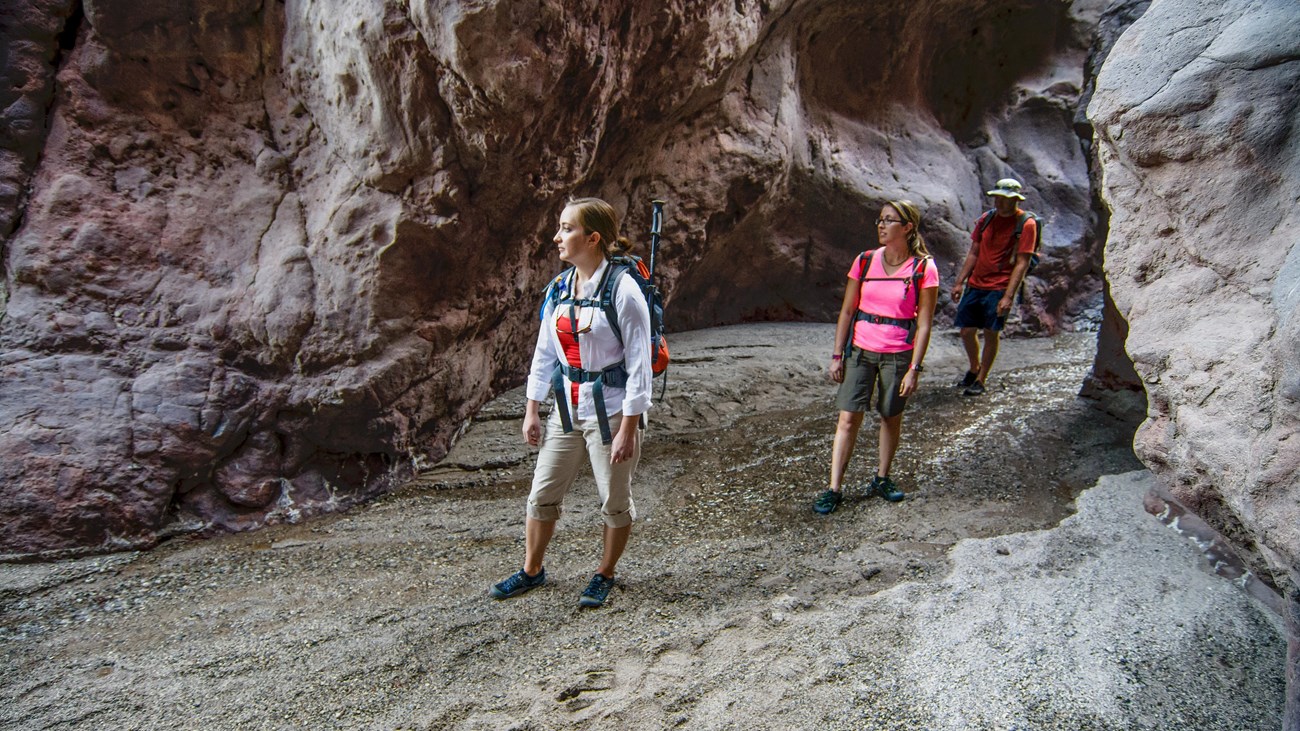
583 302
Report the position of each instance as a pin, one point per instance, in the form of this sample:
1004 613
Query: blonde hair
595 215
908 211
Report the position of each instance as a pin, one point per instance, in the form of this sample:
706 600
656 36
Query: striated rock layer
1195 113
274 254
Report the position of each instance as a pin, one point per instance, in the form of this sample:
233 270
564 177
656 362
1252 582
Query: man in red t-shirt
990 276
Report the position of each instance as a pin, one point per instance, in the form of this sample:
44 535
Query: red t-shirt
993 259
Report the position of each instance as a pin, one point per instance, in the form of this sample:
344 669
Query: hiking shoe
518 583
967 380
975 389
597 591
828 502
886 488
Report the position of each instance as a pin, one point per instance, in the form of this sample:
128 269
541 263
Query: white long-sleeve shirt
599 349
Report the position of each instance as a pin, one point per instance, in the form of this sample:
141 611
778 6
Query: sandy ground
1019 586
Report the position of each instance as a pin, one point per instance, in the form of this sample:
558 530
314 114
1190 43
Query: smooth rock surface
1196 119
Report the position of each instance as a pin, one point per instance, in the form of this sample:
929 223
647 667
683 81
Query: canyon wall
263 259
1196 117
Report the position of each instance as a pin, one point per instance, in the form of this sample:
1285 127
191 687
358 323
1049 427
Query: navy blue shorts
979 308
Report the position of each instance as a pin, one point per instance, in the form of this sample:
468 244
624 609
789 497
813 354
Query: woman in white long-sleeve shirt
601 388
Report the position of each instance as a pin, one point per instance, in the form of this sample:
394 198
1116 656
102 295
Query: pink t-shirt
892 298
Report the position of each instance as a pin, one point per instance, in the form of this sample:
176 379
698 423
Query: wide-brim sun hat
1008 188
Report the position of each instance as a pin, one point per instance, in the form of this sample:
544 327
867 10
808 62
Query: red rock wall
274 254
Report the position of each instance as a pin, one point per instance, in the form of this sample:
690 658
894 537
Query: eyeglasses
573 325
886 221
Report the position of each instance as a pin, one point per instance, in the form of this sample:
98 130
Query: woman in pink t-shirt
888 307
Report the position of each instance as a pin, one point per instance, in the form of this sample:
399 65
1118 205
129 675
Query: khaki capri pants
561 458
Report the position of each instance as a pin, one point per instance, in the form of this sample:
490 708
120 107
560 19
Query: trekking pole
656 232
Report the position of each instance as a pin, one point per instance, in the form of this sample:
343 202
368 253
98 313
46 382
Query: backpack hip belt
908 325
614 376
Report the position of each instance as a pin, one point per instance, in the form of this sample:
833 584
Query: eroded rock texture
1195 113
274 254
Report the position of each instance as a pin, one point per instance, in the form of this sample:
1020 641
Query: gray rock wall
275 254
1195 114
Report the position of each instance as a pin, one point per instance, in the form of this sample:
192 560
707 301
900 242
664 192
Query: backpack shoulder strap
1020 225
866 264
918 267
1038 228
613 272
983 221
918 272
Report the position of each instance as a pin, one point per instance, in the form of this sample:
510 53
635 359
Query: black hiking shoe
827 502
975 389
597 591
886 488
967 380
518 583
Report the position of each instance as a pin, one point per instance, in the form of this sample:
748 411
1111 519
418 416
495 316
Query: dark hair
908 211
596 215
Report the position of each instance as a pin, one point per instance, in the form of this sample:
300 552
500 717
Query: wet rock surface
1019 585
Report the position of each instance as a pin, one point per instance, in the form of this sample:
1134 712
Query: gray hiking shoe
518 583
975 389
827 502
597 591
886 488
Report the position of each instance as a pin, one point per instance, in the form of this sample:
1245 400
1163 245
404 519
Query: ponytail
908 211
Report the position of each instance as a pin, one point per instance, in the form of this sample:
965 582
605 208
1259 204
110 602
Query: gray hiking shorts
867 373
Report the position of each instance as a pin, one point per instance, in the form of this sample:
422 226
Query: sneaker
518 583
975 389
967 380
886 488
597 591
828 502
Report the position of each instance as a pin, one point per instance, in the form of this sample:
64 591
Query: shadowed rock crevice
35 39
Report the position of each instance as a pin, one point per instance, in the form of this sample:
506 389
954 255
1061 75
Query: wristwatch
915 367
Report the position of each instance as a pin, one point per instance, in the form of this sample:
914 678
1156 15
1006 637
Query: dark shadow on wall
958 61
977 58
